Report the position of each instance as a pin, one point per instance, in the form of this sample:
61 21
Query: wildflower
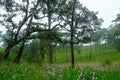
48 72
83 78
81 74
60 75
78 77
93 73
93 78
14 77
96 78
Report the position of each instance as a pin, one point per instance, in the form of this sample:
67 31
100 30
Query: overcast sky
107 9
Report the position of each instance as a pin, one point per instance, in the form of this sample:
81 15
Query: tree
54 36
51 9
18 30
79 22
65 15
115 30
12 38
116 36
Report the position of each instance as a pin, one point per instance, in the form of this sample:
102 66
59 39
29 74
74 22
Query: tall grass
100 53
25 71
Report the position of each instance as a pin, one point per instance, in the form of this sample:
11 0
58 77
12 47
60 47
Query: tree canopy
49 20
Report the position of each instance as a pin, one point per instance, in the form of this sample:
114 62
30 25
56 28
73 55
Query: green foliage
115 32
35 60
32 48
27 71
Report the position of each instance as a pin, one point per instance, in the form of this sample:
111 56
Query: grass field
104 65
82 54
26 71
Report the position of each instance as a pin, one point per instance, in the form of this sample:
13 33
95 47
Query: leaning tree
17 19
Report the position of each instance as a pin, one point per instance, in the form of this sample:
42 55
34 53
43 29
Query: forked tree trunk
18 57
7 50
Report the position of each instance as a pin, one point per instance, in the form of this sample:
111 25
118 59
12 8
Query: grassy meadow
104 65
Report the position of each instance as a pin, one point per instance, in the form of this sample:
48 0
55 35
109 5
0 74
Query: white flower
93 78
93 73
14 77
60 75
81 74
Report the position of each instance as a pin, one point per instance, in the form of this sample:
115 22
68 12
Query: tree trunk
54 56
17 59
72 55
9 47
50 53
72 34
42 51
90 51
66 54
7 51
49 41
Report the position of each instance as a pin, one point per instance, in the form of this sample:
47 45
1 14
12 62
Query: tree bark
7 51
72 56
9 47
50 53
49 41
72 34
18 57
90 51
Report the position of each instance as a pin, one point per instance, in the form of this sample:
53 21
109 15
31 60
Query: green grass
105 65
26 71
100 53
